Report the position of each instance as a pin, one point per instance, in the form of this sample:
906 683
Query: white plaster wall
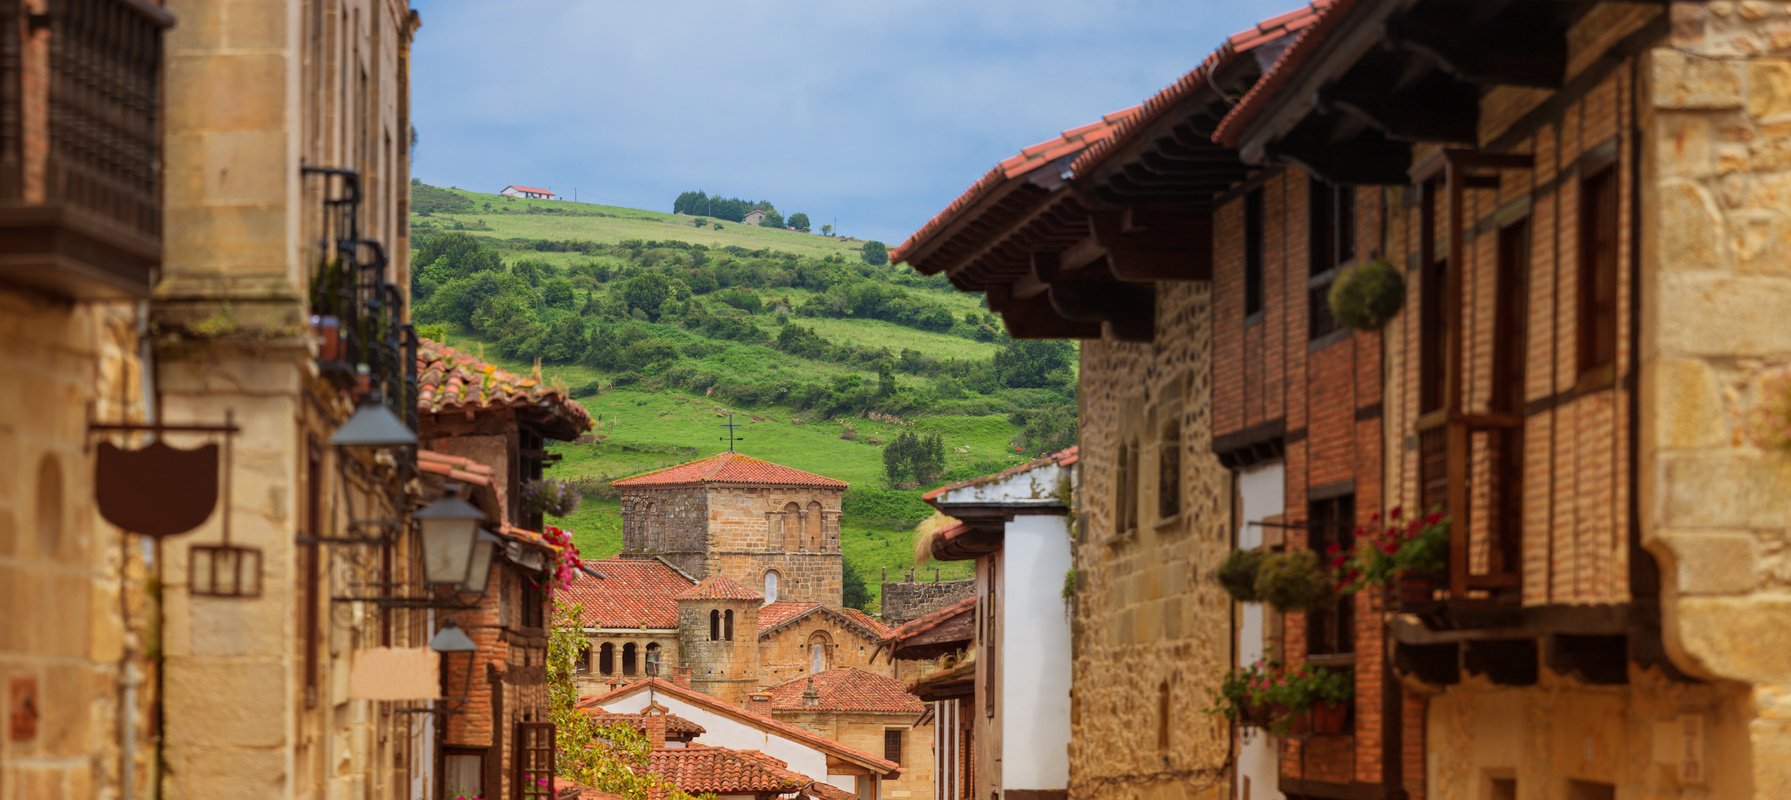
1263 489
721 731
1035 654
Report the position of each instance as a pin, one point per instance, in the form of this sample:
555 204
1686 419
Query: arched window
628 659
792 527
771 586
727 625
581 665
606 659
812 528
714 626
818 646
652 658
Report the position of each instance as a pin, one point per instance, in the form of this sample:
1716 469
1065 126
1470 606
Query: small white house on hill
752 217
528 193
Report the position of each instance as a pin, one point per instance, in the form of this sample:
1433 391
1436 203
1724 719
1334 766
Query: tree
826 230
649 292
911 460
853 592
886 380
875 253
1035 364
772 219
799 221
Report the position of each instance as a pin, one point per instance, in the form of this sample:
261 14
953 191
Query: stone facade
866 731
743 532
788 651
718 641
911 599
1151 629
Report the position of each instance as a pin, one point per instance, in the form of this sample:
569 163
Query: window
606 659
534 606
818 646
1330 226
892 744
1510 353
1253 242
581 664
463 772
792 528
1169 472
1598 271
1502 789
1319 319
989 634
771 586
311 575
811 525
715 626
534 760
652 659
1433 333
1331 525
629 663
1163 715
727 625
1125 500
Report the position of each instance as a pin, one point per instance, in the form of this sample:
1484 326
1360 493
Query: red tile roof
454 468
633 592
529 189
674 724
883 767
719 587
926 623
1231 129
1071 142
449 381
729 468
1268 31
846 689
866 620
1062 458
774 616
700 769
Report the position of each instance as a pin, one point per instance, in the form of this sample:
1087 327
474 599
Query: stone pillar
1715 341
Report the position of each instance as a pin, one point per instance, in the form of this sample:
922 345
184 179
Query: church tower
763 525
718 637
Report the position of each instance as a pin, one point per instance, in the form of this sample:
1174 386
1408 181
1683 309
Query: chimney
810 697
760 703
682 676
654 721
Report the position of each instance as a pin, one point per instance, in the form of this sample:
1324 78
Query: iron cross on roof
731 438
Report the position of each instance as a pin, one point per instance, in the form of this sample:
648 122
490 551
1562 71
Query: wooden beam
1508 662
1515 57
1438 110
1129 309
1367 158
1034 318
1148 245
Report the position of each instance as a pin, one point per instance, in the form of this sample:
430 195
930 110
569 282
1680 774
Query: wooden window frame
531 752
1597 291
1330 519
898 738
483 754
1433 311
1255 239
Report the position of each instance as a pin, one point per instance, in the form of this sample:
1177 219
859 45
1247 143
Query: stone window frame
773 581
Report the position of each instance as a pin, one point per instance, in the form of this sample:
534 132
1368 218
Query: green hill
661 328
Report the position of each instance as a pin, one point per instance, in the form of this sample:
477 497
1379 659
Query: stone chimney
760 703
681 676
811 697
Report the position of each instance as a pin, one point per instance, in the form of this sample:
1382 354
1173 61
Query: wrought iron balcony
80 146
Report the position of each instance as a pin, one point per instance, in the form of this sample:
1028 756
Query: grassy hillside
823 359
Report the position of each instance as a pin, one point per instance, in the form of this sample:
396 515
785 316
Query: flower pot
1327 719
328 332
1414 589
1254 715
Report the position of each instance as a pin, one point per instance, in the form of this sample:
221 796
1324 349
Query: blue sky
872 112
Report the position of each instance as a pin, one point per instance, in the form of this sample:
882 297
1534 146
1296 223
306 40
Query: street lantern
373 425
451 641
484 549
450 530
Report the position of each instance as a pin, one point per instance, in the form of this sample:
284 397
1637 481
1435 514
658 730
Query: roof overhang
947 684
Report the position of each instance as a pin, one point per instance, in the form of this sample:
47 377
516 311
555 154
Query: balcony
1471 467
80 147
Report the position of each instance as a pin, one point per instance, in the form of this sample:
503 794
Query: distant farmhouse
529 193
753 217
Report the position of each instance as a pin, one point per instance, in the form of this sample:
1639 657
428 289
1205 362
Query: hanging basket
1366 296
1413 589
1326 719
156 490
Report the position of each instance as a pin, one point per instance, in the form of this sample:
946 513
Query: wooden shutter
534 760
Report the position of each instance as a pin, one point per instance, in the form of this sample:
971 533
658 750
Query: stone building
940 646
872 712
910 599
764 525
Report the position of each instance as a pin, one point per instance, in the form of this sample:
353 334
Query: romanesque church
729 581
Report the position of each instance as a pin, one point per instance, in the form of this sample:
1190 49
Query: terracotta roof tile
846 689
454 468
633 592
1013 168
718 587
1330 14
1270 30
729 468
699 769
776 615
866 620
772 615
638 721
786 730
529 189
930 621
449 381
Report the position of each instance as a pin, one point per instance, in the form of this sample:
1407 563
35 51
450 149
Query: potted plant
1237 575
1240 696
328 285
551 496
1366 296
1294 581
1316 700
1407 557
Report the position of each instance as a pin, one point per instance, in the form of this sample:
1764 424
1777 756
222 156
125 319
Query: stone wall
1715 282
1152 629
80 579
784 654
911 599
726 668
752 532
670 523
865 732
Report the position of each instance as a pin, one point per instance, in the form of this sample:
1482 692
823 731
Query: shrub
1293 582
1384 553
1366 296
1238 574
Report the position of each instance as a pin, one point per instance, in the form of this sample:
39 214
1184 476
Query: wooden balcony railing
1471 466
80 145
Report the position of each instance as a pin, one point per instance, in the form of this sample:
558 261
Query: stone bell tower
766 526
718 637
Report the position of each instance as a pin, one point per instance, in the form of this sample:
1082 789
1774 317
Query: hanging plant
1398 549
1366 296
1241 696
1294 582
551 496
1311 699
1238 574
